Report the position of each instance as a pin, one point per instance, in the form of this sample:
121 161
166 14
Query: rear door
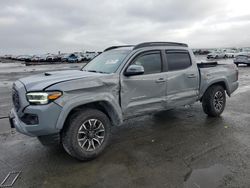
182 78
144 93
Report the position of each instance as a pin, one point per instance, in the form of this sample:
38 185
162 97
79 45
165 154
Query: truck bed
212 72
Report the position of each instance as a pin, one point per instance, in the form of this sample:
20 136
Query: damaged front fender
102 90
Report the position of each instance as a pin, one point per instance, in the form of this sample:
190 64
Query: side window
150 61
178 60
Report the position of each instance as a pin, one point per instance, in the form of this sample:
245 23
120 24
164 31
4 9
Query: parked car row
222 54
216 55
201 51
69 57
219 53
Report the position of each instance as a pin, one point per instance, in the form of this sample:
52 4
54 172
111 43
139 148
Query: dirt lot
177 148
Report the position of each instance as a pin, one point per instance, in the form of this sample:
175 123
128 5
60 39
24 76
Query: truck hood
41 81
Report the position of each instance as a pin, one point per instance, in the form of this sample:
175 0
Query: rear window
178 60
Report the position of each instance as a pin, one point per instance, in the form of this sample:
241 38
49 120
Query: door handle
160 80
191 76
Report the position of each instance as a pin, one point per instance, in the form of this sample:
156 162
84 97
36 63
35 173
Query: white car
216 55
90 55
231 53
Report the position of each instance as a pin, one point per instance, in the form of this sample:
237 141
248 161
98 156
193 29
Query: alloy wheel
91 134
218 100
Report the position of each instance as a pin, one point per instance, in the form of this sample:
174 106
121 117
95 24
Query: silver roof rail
149 44
114 47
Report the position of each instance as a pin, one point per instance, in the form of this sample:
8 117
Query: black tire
70 135
214 101
216 57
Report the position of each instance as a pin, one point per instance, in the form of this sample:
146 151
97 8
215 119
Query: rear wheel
214 101
86 134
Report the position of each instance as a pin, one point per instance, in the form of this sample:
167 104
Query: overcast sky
41 26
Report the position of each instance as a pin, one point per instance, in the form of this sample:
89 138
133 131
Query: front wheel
86 134
214 101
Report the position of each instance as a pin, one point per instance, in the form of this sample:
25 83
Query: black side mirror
134 70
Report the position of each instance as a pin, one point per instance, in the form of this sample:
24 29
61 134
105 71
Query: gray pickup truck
78 107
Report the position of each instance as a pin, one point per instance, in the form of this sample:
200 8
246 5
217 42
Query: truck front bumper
47 119
16 123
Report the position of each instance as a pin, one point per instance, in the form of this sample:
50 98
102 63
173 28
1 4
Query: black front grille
15 99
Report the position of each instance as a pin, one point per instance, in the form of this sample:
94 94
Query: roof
148 44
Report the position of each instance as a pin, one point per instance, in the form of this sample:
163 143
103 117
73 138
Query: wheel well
221 83
103 106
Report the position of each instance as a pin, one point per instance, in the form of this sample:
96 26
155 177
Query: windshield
107 62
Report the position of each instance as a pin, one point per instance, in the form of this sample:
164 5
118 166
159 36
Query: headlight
43 97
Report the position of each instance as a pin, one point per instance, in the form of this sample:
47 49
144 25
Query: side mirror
133 70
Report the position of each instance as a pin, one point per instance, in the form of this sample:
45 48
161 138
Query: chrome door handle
191 76
160 80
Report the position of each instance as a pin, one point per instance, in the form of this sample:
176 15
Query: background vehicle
90 55
64 57
201 51
242 58
7 56
79 107
23 57
72 58
216 55
231 53
80 57
36 58
52 58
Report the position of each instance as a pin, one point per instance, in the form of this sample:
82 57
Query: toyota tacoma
78 108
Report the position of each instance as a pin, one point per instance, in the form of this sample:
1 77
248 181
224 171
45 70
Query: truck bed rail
207 64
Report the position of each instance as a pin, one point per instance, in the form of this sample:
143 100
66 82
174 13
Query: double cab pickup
77 108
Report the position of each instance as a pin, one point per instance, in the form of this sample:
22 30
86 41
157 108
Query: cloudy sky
41 26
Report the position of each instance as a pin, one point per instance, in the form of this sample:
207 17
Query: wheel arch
103 106
220 83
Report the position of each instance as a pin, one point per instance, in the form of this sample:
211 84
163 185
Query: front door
144 93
